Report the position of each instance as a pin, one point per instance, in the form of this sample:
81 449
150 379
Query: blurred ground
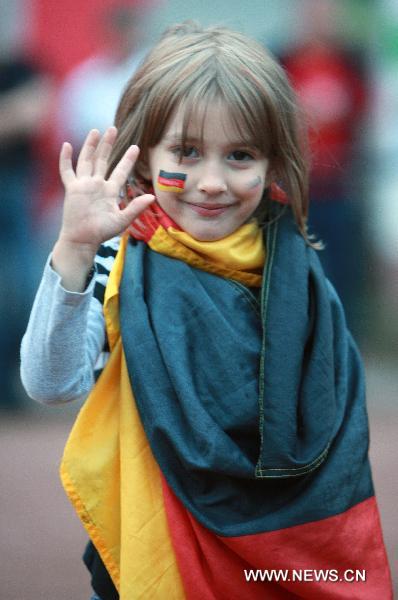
41 541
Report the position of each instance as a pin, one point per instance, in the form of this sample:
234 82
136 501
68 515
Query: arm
66 329
64 337
64 344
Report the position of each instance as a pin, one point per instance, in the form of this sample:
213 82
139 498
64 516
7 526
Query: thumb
136 207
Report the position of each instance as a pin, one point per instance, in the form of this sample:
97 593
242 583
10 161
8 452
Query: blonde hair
191 67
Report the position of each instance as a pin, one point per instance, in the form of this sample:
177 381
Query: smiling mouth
208 210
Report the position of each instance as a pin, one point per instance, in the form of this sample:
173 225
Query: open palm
91 210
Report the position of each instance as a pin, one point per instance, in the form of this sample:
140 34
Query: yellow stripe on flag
113 481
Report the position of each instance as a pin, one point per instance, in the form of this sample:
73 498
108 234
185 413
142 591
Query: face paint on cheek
252 185
171 182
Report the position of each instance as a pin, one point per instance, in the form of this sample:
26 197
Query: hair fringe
190 63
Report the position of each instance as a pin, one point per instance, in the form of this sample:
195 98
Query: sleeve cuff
54 279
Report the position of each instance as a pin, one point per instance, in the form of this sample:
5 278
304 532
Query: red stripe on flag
171 182
212 566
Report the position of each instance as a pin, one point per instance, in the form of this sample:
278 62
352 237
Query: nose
211 180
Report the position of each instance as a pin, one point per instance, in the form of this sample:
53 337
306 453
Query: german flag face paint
171 182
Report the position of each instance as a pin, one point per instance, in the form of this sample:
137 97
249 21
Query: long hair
192 67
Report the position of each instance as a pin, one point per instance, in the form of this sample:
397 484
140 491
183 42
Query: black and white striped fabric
103 263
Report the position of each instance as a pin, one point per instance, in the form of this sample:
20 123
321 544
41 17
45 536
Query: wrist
79 252
73 262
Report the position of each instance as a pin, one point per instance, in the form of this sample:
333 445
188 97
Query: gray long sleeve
63 340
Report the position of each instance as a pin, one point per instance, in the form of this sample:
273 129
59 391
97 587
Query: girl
222 452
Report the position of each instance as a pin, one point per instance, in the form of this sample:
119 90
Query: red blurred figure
330 83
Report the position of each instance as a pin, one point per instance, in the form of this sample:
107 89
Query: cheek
250 187
254 184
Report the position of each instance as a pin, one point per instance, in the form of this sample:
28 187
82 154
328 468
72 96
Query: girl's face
219 182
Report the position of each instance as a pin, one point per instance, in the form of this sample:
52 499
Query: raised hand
91 209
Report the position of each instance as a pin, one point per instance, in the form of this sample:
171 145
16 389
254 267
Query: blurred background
62 68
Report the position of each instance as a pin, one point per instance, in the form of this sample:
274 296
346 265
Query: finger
85 161
65 164
135 208
103 151
123 168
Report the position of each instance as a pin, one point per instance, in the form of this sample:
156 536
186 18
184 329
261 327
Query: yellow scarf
108 470
238 256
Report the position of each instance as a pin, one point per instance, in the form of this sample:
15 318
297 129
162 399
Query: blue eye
240 155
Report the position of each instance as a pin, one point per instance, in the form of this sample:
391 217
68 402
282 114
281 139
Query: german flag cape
228 433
